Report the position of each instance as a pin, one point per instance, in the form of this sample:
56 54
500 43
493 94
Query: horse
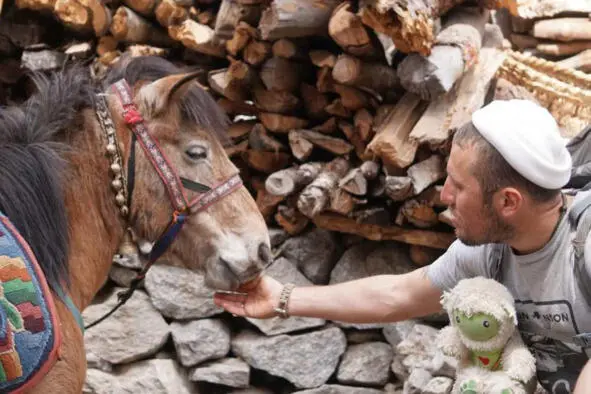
74 191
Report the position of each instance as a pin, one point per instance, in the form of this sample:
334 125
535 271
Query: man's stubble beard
496 230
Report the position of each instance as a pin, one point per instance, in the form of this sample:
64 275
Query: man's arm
584 380
383 298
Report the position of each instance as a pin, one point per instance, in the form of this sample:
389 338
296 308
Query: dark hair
493 172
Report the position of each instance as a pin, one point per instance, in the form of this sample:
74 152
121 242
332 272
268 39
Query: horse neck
95 226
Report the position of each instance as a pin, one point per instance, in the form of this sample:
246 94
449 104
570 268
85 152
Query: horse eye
196 152
486 323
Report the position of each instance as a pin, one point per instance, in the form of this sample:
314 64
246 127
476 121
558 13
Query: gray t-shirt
550 306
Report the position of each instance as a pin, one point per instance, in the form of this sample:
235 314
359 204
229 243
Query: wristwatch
281 308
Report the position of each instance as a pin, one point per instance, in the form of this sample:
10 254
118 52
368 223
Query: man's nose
446 194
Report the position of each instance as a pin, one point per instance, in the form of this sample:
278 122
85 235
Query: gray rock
200 340
417 381
314 253
397 332
99 382
231 372
180 293
252 390
95 362
368 259
439 385
362 336
442 365
285 271
121 275
277 236
154 377
366 364
306 360
339 389
134 331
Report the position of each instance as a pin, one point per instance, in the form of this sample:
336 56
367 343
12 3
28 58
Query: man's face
475 221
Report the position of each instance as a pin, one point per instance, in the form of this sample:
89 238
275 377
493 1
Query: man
505 172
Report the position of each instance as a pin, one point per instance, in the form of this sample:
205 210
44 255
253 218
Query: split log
321 58
398 188
316 196
379 77
347 30
523 41
337 108
334 222
446 217
331 144
352 135
324 80
456 51
242 34
563 48
106 44
241 129
236 149
291 220
290 180
314 101
138 50
563 29
296 18
198 37
378 187
237 107
267 162
418 214
258 139
84 15
379 216
432 196
170 12
450 111
36 5
142 7
307 172
423 255
281 123
267 203
582 61
235 82
256 52
281 74
410 24
352 99
354 182
370 170
281 102
130 27
289 49
341 202
83 50
542 8
327 127
231 13
363 122
301 148
206 17
392 143
425 173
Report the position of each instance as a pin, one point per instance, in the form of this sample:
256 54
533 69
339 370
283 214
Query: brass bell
127 247
116 168
111 149
120 199
117 184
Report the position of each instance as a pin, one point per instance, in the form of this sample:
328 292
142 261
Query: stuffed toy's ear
445 300
511 313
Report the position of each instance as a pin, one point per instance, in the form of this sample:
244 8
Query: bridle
122 184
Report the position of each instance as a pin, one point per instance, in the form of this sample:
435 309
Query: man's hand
584 380
258 299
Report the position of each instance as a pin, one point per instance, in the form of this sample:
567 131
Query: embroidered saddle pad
29 341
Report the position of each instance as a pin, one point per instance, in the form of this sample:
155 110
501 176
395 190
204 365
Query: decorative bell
116 168
120 199
124 211
111 149
117 184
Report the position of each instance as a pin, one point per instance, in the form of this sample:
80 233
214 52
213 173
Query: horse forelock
32 168
197 105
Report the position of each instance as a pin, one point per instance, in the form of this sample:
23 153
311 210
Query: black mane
32 167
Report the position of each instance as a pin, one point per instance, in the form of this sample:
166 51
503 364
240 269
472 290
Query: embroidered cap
527 136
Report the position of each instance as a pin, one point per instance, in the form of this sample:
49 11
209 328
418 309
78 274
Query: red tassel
132 116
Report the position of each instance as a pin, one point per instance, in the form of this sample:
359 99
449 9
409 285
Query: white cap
527 136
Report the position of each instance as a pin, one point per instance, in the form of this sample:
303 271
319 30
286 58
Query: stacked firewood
556 30
342 110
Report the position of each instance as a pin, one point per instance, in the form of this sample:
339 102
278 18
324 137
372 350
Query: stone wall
171 338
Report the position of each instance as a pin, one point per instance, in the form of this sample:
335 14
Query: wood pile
342 110
551 29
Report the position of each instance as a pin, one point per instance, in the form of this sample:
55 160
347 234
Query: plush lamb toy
492 358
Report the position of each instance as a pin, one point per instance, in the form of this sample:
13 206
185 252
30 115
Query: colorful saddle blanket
29 338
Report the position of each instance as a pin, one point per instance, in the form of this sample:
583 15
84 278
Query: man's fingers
235 307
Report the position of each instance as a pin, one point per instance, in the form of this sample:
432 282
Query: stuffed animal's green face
478 327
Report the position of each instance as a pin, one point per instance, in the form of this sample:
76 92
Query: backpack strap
580 219
497 262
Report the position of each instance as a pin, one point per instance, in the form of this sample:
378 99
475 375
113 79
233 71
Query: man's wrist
282 308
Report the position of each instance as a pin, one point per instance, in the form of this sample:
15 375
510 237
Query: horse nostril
265 254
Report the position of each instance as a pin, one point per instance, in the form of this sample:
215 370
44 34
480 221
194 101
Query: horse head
223 235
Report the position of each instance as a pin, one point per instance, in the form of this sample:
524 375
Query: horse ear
157 96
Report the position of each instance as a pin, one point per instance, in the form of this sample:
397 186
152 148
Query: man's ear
155 97
508 201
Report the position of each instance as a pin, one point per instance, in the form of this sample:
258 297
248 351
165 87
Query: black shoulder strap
580 219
